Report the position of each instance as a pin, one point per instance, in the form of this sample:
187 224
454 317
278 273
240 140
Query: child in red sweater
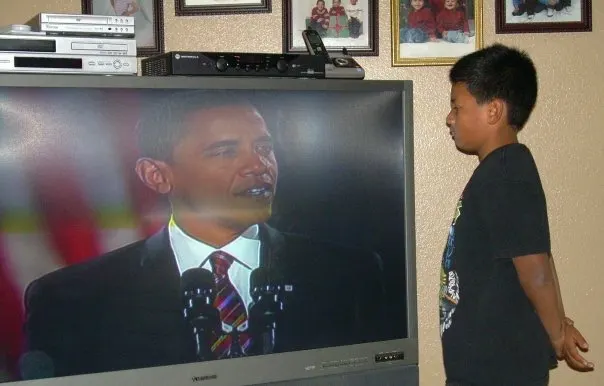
319 18
421 26
452 24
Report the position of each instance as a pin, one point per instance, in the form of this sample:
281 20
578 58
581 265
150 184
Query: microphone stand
264 317
199 312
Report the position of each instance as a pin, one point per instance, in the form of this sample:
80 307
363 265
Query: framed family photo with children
350 24
529 16
435 32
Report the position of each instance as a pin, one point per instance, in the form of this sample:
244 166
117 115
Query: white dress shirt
354 11
192 253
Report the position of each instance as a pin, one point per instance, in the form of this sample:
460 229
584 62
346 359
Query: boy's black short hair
162 123
500 72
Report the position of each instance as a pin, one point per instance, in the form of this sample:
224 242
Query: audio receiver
234 64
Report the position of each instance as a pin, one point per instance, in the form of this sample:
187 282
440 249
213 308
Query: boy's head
417 4
450 4
501 84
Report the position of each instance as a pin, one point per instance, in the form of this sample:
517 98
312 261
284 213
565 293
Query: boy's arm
515 214
558 291
538 277
573 337
466 25
431 26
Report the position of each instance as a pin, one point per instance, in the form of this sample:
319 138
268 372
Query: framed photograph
148 20
434 32
529 16
350 24
220 7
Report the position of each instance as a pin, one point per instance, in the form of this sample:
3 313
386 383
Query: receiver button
222 64
281 65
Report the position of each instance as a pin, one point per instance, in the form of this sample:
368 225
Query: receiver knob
221 64
281 65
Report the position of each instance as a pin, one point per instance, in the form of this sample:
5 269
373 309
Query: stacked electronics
70 44
317 64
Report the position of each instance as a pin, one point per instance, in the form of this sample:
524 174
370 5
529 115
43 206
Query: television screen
227 232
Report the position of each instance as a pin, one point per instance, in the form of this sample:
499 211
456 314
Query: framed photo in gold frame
434 32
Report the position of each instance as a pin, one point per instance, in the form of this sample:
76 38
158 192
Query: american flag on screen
68 190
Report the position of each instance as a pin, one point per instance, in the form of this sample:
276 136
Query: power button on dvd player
117 64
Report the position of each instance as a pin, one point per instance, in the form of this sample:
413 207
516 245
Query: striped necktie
234 340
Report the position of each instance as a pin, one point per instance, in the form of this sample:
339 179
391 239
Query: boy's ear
496 111
155 174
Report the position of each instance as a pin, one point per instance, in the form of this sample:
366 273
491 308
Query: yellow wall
565 134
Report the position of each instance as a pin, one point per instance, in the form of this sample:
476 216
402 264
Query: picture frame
422 41
350 24
148 22
535 17
221 7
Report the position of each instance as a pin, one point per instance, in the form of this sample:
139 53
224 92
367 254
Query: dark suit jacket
123 310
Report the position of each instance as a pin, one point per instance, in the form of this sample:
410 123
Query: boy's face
450 4
467 120
417 4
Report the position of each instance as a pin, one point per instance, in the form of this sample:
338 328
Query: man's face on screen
224 167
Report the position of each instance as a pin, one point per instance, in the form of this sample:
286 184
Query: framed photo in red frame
538 16
148 20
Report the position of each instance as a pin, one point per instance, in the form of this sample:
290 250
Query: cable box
227 64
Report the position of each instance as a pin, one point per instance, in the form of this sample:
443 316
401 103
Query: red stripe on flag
60 200
11 316
63 210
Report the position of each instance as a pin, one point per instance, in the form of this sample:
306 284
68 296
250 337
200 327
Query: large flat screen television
176 231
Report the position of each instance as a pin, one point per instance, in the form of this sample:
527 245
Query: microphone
36 364
199 293
265 312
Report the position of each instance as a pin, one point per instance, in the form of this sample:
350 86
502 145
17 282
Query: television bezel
283 367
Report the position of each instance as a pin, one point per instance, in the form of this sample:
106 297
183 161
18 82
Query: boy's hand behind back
566 348
539 281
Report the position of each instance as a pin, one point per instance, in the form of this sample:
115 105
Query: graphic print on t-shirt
449 281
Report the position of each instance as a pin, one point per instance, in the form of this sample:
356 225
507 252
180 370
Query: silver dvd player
87 29
75 24
70 18
67 45
12 62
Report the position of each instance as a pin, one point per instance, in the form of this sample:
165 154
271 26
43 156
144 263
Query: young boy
452 24
421 26
502 318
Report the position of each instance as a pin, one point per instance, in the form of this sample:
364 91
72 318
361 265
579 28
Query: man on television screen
212 156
